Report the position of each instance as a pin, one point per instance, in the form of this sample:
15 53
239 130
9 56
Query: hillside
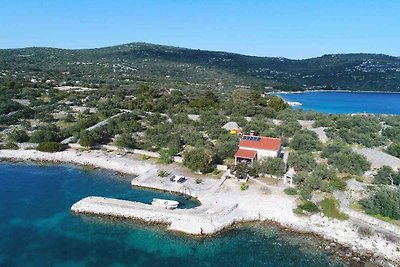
195 70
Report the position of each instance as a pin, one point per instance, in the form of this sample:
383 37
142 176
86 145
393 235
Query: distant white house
252 148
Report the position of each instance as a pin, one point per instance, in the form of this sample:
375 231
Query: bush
50 147
302 161
335 147
291 191
9 145
166 156
305 193
349 162
243 186
86 139
330 208
198 160
337 184
325 172
125 140
305 141
385 202
312 182
45 134
277 103
386 175
198 180
272 166
242 171
19 136
309 207
162 173
394 150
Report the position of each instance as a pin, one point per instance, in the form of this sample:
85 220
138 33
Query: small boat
168 204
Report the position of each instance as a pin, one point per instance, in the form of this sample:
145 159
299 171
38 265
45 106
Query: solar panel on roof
251 138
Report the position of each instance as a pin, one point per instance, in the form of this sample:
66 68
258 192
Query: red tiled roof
246 154
268 143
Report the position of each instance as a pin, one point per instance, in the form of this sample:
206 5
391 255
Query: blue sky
293 29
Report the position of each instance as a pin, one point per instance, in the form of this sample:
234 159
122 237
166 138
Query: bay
37 228
346 102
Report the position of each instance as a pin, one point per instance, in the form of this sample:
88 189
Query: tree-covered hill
196 70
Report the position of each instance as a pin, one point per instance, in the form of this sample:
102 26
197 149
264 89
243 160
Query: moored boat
168 204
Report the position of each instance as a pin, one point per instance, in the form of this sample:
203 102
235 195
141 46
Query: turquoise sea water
347 102
37 228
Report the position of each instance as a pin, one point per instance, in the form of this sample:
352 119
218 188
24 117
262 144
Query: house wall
267 153
263 153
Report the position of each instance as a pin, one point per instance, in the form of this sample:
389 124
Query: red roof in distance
246 154
260 142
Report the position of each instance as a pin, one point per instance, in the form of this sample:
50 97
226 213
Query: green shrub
386 175
330 208
87 139
166 156
48 133
272 166
309 207
162 173
50 147
198 159
360 179
145 157
19 136
125 140
290 191
216 172
298 211
305 193
9 145
302 161
305 140
394 149
198 180
385 202
243 186
332 185
337 184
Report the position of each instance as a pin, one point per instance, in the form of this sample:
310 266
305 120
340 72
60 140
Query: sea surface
37 228
347 102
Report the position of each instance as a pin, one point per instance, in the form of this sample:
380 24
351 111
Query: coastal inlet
36 232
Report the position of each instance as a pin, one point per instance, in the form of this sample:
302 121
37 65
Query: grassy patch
243 186
309 207
330 208
383 218
291 191
360 179
354 205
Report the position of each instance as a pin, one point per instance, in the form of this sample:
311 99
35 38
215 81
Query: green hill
195 70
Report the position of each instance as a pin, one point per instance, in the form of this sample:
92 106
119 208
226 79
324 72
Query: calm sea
37 228
347 102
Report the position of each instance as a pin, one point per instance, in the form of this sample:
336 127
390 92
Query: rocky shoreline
273 207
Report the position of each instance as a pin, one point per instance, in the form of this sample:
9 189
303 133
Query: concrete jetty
196 221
